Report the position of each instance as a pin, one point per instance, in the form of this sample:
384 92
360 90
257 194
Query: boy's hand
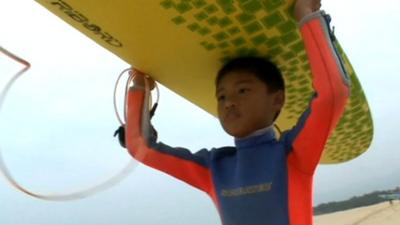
139 79
305 7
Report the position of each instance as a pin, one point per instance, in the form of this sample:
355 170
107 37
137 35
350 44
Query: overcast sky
57 123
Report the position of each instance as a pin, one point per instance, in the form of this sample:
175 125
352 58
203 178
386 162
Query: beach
379 214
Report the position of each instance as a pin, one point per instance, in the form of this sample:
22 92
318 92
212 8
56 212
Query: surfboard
183 43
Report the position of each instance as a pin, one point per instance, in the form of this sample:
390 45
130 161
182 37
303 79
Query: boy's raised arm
331 84
180 163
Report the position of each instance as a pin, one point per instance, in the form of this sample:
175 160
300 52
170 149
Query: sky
57 123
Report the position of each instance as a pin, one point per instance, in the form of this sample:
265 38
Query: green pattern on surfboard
264 28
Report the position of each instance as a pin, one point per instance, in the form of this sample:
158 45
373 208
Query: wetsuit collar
259 136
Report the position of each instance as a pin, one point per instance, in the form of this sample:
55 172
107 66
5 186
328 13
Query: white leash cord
55 197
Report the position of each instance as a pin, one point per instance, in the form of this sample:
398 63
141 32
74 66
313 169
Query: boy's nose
229 103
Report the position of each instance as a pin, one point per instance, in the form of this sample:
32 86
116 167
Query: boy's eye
221 98
243 90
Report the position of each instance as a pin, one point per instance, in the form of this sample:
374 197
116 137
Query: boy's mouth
232 114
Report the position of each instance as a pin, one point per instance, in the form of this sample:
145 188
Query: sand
379 214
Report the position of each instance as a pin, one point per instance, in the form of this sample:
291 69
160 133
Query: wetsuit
262 180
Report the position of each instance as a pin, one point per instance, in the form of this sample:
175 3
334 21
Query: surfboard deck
183 43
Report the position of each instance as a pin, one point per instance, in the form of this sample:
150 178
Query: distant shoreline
354 202
380 214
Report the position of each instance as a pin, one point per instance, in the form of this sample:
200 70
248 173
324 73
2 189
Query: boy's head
250 95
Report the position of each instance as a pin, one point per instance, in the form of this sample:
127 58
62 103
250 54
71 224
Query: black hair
262 68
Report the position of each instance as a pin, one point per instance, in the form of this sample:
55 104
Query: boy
261 180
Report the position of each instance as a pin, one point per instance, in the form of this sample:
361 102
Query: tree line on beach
354 202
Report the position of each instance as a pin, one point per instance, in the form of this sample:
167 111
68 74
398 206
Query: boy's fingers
305 7
152 83
317 6
137 72
139 79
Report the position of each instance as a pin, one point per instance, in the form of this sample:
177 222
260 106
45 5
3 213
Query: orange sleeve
179 163
331 85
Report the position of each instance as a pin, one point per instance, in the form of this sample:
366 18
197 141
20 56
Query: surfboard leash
83 193
148 112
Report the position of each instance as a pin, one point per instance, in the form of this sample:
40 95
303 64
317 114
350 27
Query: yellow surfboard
183 43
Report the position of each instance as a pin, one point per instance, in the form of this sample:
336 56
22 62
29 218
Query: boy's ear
279 99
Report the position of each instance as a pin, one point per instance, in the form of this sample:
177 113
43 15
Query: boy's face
245 103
